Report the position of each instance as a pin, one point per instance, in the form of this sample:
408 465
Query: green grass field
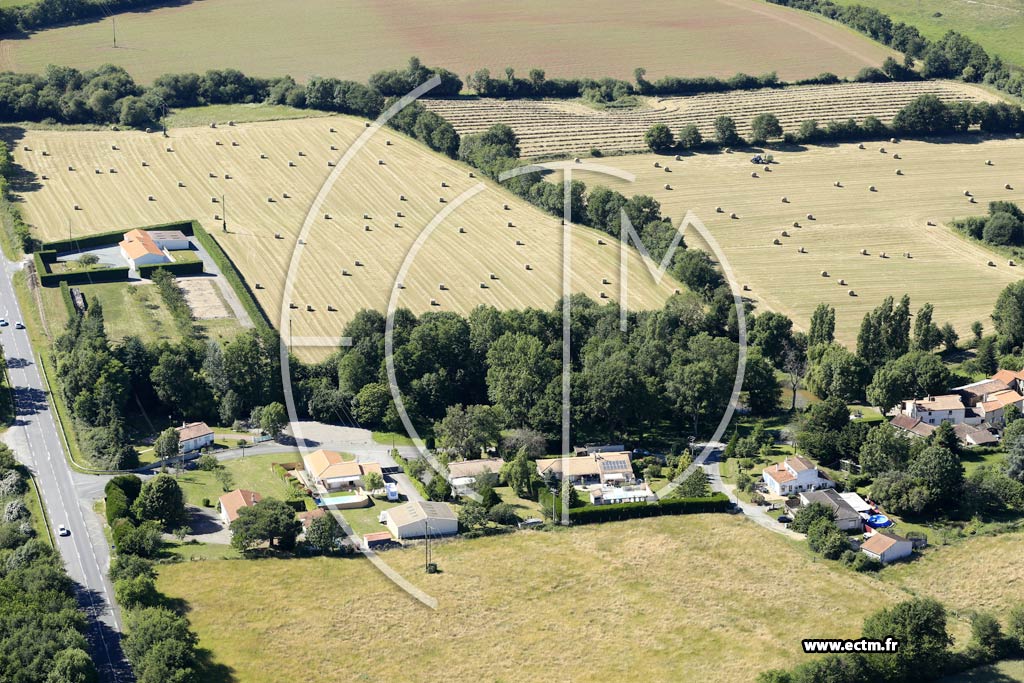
239 113
253 473
354 39
1010 671
699 597
996 25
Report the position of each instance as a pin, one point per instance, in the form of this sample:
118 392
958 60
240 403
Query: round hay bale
471 175
746 288
444 184
785 234
908 255
863 252
667 169
214 200
151 198
718 209
893 140
603 295
235 144
227 176
331 309
358 263
883 255
397 225
577 160
332 130
753 174
262 155
309 307
842 282
667 186
988 162
600 241
509 224
492 276
776 241
278 236
181 184
98 171
145 164
1007 186
380 162
767 169
398 214
796 224
270 199
302 154
327 217
851 292
44 177
837 184
899 171
231 123
824 273
881 150
462 231
785 200
505 207
733 216
930 224
896 156
45 153
71 168
519 243
992 263
345 273
112 170
967 193
387 143
334 148
401 197
483 285
1011 263
529 267
657 164
77 207
801 250
972 200
810 216
605 281
169 149
679 158
291 164
872 188
860 146
259 285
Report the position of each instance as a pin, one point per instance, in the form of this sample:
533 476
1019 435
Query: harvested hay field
944 268
354 39
686 592
552 127
358 240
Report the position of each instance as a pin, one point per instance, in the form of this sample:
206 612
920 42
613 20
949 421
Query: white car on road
19 326
63 531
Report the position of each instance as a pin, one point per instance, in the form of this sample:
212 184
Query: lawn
253 473
200 551
184 256
392 439
354 39
365 520
685 596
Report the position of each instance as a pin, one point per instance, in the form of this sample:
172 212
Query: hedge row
111 237
591 514
234 277
186 268
69 303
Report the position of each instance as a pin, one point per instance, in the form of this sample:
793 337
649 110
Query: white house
934 410
463 473
613 469
231 503
419 518
887 547
172 240
140 249
846 517
330 471
193 436
794 475
610 495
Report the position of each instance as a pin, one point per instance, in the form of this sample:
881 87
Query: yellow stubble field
347 262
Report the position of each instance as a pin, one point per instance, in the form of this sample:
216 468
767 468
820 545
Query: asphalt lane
36 442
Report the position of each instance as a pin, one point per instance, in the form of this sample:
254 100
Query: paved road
36 442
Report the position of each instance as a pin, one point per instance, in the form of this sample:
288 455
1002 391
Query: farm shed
418 518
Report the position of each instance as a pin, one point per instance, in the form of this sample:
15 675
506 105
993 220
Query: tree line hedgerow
952 56
42 629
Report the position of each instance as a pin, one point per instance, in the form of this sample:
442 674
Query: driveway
755 513
206 526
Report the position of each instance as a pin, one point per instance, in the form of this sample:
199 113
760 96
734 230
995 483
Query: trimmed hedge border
187 268
112 237
591 514
234 277
69 303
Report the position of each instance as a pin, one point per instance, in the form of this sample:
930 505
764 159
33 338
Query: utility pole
113 24
426 548
224 220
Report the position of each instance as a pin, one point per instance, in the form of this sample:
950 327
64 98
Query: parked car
783 519
392 490
19 326
63 531
3 323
